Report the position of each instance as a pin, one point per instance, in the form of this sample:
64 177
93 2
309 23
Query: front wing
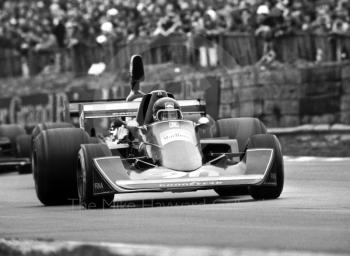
112 175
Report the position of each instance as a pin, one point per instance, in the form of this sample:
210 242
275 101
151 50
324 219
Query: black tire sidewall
240 129
268 192
86 154
47 126
54 160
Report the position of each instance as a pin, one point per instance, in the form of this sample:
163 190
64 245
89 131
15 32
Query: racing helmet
166 109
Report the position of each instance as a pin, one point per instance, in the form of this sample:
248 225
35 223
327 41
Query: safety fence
228 50
245 49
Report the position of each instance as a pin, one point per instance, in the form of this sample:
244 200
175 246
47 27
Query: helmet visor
167 114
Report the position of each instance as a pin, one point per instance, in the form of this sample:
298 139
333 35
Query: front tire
54 162
240 129
267 191
85 172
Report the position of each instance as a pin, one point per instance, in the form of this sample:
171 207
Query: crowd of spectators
43 25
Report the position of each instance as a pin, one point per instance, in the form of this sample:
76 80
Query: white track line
32 247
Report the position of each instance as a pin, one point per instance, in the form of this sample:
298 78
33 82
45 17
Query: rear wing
121 108
75 106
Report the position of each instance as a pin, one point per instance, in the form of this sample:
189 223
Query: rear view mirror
136 69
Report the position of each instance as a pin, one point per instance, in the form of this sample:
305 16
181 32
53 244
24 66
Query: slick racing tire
12 131
54 162
269 191
85 178
47 126
24 150
240 129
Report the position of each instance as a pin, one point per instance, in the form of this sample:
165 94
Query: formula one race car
170 146
14 148
16 145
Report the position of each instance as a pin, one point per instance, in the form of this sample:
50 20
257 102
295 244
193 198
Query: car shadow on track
154 203
177 202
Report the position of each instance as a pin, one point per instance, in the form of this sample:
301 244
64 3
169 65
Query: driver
118 131
166 108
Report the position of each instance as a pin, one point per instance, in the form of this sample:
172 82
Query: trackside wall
281 97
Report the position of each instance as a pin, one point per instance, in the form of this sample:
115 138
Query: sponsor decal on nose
174 135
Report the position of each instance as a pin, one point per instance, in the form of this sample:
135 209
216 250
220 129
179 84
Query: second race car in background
15 149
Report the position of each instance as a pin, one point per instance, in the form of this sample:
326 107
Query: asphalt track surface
312 215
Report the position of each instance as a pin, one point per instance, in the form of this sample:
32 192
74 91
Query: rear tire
264 192
54 162
85 172
47 126
240 129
